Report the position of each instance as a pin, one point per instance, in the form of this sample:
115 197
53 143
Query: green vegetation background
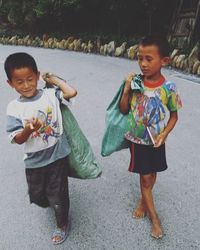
110 19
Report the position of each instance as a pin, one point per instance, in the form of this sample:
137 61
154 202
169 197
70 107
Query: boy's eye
19 82
149 59
30 79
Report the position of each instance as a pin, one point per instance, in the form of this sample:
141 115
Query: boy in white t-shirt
34 119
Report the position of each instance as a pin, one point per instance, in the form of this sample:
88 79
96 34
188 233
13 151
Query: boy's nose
143 63
26 84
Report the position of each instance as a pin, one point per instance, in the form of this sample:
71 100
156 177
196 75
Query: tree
150 7
113 17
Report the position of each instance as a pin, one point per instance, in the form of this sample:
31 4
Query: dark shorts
147 159
48 186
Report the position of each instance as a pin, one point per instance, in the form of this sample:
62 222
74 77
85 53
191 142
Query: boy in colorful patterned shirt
34 119
152 106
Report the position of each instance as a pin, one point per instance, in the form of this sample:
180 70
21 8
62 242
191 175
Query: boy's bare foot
156 230
139 212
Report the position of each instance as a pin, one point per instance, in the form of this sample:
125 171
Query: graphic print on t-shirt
49 128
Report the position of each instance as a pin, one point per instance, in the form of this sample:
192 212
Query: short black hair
159 41
19 60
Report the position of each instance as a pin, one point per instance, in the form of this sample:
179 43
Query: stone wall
189 63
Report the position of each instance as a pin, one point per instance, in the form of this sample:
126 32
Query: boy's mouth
145 71
27 90
29 93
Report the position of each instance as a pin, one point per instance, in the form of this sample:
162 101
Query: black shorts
48 185
147 159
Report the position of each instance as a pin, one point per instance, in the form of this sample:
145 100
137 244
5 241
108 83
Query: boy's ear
10 83
165 61
38 75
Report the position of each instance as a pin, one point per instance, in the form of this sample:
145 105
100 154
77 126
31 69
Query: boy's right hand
30 126
33 125
128 80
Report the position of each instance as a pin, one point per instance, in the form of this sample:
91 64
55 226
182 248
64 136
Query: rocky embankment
189 63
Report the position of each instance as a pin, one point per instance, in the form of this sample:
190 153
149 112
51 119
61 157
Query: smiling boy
34 119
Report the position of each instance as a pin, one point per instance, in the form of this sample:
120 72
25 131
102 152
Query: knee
146 181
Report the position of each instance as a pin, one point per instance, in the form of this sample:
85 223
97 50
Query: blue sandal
60 233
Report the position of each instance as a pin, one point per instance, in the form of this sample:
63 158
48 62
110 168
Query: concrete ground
100 210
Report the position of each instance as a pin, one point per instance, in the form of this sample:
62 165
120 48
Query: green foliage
109 17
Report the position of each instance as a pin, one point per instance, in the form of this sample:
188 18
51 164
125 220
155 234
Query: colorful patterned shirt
150 109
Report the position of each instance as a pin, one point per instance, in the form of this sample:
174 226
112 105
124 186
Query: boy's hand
128 82
124 101
68 91
33 125
52 79
160 139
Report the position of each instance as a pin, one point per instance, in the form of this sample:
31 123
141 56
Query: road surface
100 210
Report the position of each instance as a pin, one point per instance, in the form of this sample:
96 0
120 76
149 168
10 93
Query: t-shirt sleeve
59 95
174 101
13 123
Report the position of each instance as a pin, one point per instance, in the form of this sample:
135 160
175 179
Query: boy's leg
140 210
58 194
146 183
36 186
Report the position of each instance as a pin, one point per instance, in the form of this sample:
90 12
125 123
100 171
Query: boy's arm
67 90
124 101
30 127
170 125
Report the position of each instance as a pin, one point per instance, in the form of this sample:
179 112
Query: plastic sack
116 127
82 161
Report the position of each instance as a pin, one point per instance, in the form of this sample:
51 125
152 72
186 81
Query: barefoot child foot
156 230
139 212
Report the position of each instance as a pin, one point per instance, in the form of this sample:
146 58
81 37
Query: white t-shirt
48 144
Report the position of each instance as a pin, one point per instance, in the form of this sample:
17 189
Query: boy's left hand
160 139
51 79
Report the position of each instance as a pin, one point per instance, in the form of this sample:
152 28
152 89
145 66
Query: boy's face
151 62
24 81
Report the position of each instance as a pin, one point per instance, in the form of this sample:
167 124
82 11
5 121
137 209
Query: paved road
100 209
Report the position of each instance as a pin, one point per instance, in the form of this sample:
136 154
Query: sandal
61 233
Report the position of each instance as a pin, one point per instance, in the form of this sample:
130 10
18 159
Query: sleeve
174 102
13 123
59 95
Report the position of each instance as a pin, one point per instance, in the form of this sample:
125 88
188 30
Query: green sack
116 127
82 161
